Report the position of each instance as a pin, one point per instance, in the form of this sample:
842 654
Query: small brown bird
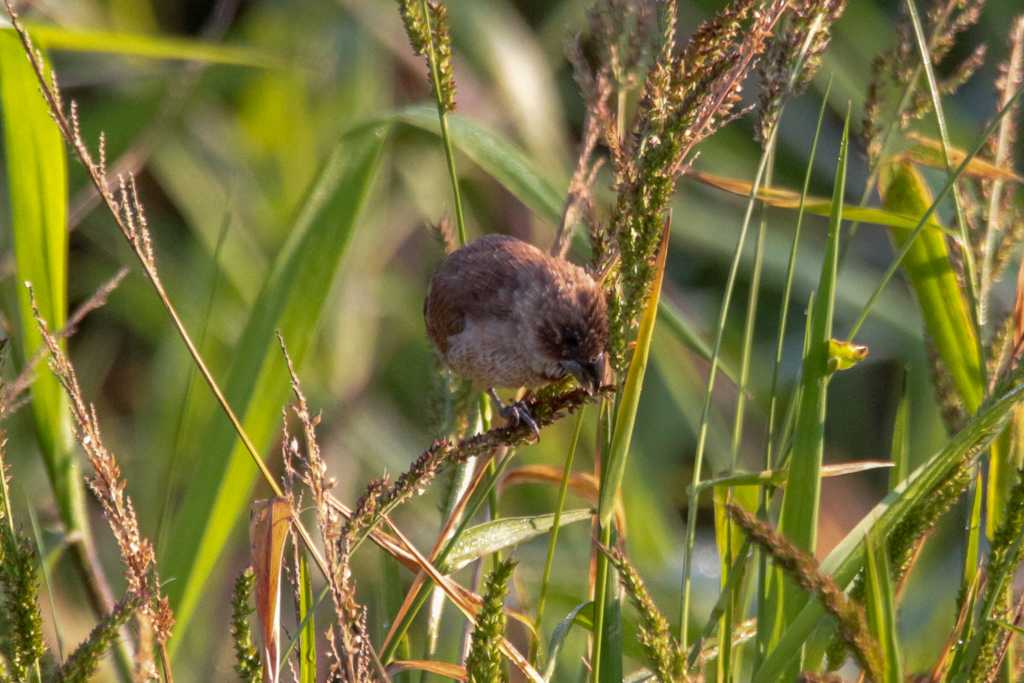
502 313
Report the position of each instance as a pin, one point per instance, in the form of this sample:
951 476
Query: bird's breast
493 353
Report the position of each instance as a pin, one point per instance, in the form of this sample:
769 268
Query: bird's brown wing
478 282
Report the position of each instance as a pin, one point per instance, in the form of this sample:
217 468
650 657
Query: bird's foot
516 413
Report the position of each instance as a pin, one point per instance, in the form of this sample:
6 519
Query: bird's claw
516 414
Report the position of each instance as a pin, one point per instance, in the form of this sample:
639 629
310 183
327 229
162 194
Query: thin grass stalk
601 589
549 559
442 117
787 293
905 99
179 430
702 432
37 537
461 480
1002 157
726 653
923 220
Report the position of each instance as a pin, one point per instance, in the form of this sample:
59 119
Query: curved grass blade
257 385
926 151
448 670
490 537
629 397
788 199
558 637
930 271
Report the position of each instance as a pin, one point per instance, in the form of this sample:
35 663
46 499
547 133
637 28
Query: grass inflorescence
351 452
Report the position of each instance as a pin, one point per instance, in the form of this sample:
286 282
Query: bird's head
572 331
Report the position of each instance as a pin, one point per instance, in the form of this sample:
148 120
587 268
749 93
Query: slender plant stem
894 124
773 404
702 433
600 602
179 430
1003 152
923 220
442 117
549 561
604 437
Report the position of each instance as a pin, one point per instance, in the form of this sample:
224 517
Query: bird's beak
590 374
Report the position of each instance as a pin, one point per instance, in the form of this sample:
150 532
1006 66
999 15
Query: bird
501 313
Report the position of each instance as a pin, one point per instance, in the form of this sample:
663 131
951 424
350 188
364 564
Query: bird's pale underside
502 313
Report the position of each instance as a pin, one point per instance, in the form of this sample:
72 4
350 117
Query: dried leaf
269 522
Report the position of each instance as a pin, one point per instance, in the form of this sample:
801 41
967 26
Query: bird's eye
571 339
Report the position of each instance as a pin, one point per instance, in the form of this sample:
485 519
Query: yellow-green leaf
788 199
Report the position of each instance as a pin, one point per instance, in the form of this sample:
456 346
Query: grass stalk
549 559
702 432
780 338
442 118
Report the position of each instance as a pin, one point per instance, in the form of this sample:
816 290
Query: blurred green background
228 155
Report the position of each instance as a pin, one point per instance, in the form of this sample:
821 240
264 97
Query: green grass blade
499 158
138 45
558 637
257 385
549 559
36 171
967 254
775 399
490 537
927 264
847 558
949 324
798 519
980 143
880 604
629 397
307 619
900 451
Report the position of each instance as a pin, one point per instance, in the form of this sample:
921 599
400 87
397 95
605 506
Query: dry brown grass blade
442 538
469 607
454 672
583 484
269 522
